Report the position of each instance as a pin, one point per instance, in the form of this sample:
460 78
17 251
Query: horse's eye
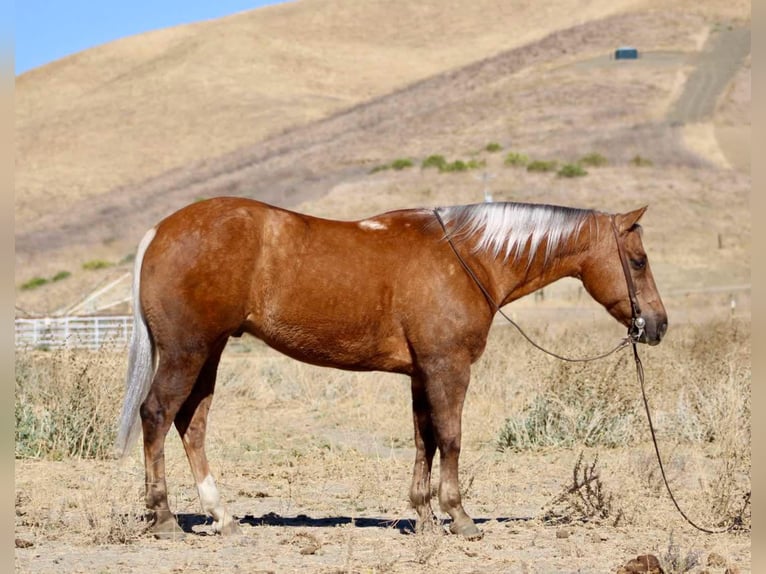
638 264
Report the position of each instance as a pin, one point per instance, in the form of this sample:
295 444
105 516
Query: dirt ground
315 464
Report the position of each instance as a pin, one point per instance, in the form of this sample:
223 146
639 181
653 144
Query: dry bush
698 381
66 402
585 499
698 386
579 403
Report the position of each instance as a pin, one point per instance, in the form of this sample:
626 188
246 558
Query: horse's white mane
507 228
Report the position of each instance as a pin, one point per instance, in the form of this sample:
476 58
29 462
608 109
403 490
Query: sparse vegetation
640 161
675 561
95 264
516 159
585 499
543 166
34 283
401 163
397 165
581 405
493 147
439 162
571 170
593 159
65 403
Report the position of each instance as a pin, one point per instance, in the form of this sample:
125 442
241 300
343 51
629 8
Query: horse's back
324 291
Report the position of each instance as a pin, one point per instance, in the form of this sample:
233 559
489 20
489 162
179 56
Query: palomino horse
411 292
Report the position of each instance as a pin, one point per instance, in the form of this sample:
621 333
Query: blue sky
46 30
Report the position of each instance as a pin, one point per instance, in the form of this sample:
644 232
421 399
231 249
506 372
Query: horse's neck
511 280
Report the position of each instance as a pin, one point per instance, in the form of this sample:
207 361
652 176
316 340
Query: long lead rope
737 520
634 332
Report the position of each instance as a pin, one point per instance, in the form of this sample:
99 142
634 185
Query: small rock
21 543
563 533
598 537
644 564
731 570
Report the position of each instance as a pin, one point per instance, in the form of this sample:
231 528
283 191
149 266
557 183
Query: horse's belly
337 344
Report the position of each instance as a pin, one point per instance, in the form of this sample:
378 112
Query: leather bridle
637 322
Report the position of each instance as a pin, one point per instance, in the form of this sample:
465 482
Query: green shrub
33 283
541 165
593 160
476 164
61 275
516 159
94 264
401 163
571 170
457 165
493 147
639 161
397 164
436 161
440 163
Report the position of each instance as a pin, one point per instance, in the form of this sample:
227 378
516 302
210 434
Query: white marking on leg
211 502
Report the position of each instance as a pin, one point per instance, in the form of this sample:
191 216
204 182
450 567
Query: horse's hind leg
191 423
172 384
425 445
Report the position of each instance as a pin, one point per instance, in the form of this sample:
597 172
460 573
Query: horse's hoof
167 530
231 528
467 529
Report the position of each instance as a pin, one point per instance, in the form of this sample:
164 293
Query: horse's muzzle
652 332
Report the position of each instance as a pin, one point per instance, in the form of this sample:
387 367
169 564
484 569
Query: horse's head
604 276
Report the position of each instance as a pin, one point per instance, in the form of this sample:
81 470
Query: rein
634 334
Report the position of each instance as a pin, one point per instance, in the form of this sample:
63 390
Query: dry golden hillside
296 103
131 109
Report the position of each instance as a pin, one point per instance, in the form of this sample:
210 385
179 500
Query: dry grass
298 437
65 402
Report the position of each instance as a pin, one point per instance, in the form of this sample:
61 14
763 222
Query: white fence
84 332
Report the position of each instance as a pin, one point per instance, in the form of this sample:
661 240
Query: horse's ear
625 221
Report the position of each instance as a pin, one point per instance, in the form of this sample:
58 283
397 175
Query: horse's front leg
446 383
425 448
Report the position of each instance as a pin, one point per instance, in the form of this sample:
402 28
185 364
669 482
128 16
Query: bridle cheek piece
637 322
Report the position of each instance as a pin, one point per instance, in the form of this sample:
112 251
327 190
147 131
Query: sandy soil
315 464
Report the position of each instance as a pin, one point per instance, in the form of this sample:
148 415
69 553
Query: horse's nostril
662 328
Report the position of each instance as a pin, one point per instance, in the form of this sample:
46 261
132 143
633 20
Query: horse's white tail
141 361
